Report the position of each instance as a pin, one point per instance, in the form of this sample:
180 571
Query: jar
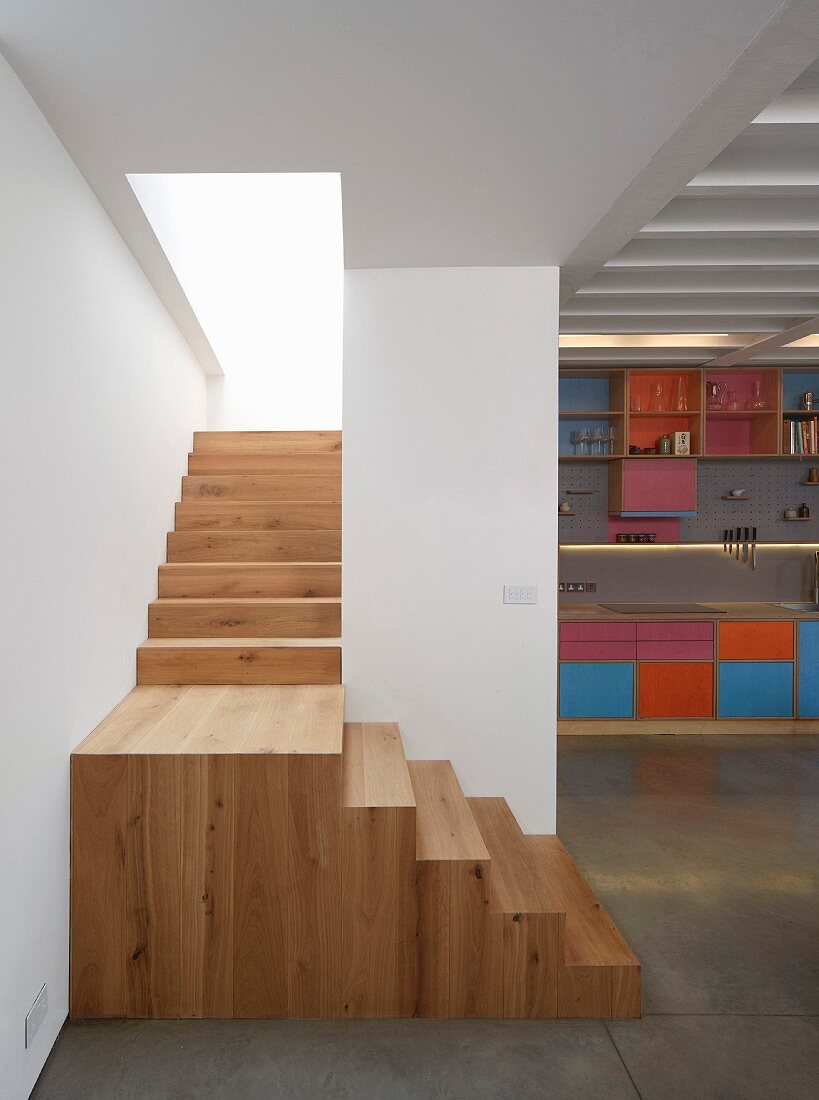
804 511
664 445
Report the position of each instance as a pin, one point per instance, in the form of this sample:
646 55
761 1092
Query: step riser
304 463
297 620
264 442
268 487
253 546
311 516
275 579
239 665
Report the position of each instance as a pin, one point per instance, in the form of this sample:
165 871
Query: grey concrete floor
703 849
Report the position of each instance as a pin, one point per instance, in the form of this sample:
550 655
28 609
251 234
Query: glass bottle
680 403
732 404
756 401
656 401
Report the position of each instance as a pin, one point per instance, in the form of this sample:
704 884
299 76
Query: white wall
99 398
450 492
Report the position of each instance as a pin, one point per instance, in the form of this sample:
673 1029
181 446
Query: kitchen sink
814 607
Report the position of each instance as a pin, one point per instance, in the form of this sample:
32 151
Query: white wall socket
520 593
36 1014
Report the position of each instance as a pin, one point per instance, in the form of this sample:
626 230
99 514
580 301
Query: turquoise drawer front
597 689
808 670
756 689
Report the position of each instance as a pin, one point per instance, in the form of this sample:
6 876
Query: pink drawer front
597 651
675 650
598 632
675 631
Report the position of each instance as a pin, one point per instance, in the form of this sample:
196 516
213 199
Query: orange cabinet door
740 641
676 689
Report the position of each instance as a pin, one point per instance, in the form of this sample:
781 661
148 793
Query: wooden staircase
251 592
238 851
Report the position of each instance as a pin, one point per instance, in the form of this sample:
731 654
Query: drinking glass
656 403
732 404
756 401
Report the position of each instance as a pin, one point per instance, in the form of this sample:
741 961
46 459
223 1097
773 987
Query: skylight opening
260 258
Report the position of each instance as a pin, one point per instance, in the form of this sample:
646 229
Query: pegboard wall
771 487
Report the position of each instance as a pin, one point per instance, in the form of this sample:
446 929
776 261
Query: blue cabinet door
596 689
756 689
809 670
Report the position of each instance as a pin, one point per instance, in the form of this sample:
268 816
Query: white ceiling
466 132
736 251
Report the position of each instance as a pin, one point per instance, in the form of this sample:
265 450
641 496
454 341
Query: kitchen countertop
595 612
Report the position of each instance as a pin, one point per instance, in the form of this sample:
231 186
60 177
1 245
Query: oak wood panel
98 886
626 992
260 886
153 843
532 936
314 841
265 442
583 992
446 827
283 462
756 641
226 719
248 580
255 546
475 943
130 720
232 487
375 769
316 515
206 964
238 661
316 617
434 894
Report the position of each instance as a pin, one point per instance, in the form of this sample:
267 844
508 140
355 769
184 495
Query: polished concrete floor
704 850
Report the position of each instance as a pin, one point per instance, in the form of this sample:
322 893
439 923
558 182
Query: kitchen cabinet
675 641
755 689
598 641
597 689
659 487
809 669
756 641
670 689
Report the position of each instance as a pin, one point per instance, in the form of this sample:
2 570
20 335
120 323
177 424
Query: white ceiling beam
769 343
693 280
777 56
733 217
730 253
703 305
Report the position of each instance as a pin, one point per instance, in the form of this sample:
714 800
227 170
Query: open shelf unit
626 402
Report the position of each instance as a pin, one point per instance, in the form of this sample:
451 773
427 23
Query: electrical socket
36 1014
520 593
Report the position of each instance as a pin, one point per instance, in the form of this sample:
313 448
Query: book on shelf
802 436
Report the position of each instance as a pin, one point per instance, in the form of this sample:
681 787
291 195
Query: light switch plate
36 1014
520 593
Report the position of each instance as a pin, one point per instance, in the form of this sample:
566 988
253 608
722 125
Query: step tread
591 936
257 515
249 579
514 888
268 487
252 545
204 566
446 829
227 442
375 771
242 601
222 719
271 462
239 643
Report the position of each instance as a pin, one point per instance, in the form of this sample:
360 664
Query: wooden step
213 580
193 719
460 953
239 661
316 515
269 487
265 442
531 933
302 462
317 617
254 546
216 812
600 976
379 956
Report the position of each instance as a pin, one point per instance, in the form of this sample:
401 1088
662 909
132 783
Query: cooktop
663 609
